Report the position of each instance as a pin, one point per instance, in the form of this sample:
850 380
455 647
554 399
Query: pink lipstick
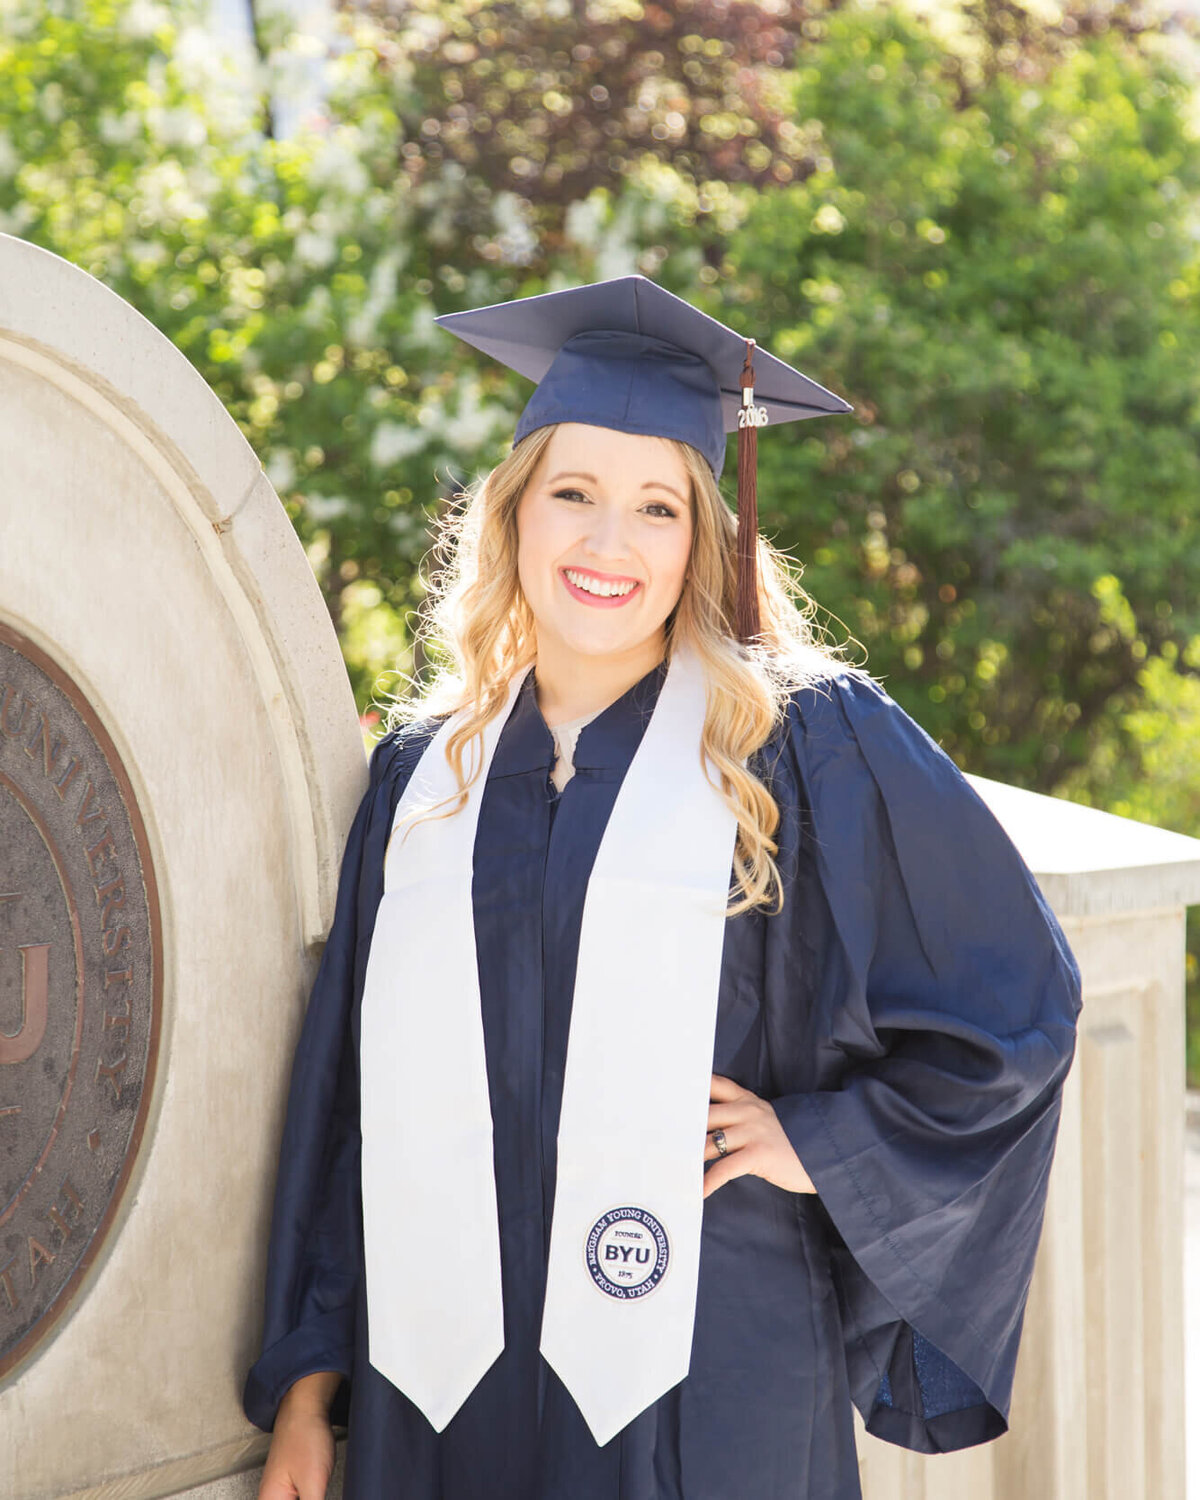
600 600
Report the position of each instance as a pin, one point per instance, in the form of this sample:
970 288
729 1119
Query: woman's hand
754 1138
301 1455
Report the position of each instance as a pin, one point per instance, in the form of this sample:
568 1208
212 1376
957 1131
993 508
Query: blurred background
978 222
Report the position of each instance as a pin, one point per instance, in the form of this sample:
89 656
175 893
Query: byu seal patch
627 1252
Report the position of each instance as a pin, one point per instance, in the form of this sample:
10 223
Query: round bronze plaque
80 989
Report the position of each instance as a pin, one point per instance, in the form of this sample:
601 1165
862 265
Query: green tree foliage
1142 758
549 102
292 273
1006 288
987 245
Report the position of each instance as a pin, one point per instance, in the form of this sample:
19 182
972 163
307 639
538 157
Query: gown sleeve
314 1252
947 1000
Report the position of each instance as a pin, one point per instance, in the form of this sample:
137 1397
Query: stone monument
180 760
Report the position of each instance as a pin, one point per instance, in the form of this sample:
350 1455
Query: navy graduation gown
911 1014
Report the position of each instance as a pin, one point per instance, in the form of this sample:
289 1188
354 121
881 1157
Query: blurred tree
1007 289
291 272
1141 760
986 243
548 102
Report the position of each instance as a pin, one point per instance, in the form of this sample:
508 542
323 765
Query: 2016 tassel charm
750 419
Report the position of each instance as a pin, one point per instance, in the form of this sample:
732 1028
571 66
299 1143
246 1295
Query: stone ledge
1090 863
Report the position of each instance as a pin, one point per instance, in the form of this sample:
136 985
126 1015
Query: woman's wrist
312 1393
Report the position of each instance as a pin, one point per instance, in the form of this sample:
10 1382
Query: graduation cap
629 355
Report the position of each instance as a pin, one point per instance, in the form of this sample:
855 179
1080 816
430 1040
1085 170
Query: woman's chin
605 638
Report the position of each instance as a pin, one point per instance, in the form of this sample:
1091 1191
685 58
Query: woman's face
604 532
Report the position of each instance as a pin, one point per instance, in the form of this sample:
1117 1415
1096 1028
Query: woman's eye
656 507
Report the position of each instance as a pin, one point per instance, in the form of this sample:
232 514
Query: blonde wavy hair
479 631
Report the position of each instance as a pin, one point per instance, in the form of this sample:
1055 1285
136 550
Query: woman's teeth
596 586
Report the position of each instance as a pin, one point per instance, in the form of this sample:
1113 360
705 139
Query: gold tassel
749 419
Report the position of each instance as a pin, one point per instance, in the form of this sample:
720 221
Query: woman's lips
598 601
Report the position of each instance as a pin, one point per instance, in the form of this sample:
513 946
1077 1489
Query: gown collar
607 742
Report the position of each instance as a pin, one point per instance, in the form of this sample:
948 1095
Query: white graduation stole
625 1238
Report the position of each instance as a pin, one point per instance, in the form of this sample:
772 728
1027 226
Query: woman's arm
313 1259
946 997
301 1457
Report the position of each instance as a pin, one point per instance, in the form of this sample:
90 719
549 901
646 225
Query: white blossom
475 422
326 507
143 18
315 250
281 469
381 293
395 440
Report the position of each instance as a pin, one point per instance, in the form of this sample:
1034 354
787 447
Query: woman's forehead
606 455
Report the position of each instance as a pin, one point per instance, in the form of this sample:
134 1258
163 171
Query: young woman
686 1055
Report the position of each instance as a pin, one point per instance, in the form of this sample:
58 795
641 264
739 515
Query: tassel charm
750 419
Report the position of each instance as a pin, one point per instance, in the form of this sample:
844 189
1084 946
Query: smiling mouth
597 587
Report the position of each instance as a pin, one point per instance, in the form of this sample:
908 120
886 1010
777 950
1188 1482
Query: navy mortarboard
627 354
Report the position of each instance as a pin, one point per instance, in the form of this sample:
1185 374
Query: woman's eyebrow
662 484
591 479
573 474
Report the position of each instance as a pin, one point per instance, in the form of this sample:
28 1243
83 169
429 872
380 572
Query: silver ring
719 1142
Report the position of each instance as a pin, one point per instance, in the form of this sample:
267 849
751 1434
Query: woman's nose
608 536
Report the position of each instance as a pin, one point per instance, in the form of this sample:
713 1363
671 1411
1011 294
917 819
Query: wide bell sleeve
946 1000
314 1254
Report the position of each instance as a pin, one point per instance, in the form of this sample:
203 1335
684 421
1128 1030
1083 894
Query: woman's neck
570 685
